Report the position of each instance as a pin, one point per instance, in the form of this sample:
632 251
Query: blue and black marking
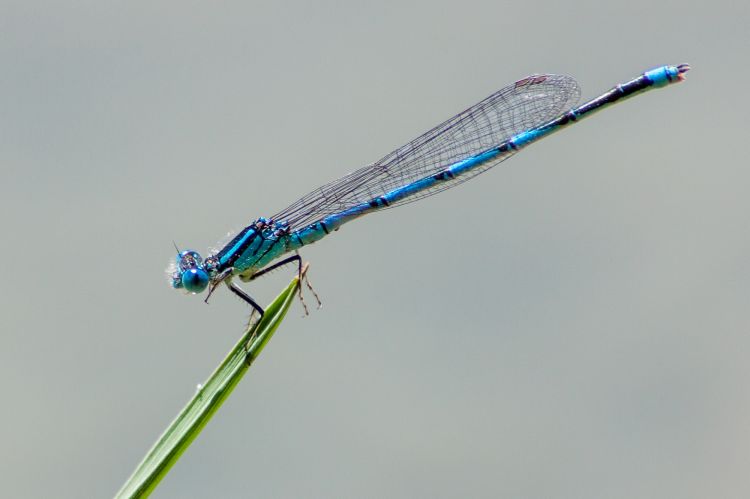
654 78
658 77
379 202
444 175
252 251
253 244
232 251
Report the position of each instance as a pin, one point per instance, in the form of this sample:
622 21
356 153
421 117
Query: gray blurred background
572 324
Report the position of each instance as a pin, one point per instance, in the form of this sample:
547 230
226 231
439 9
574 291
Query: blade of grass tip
208 398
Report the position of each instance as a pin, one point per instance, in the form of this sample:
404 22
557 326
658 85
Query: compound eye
194 280
189 260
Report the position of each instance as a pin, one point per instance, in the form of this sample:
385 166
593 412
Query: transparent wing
526 104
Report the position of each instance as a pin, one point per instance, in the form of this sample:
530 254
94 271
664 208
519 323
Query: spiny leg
309 286
296 258
255 308
215 284
285 261
226 278
244 296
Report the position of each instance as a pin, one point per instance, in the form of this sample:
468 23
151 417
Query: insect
458 149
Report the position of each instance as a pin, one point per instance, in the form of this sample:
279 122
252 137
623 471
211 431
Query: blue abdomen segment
654 78
319 230
664 75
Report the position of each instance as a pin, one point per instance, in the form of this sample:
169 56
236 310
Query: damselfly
466 145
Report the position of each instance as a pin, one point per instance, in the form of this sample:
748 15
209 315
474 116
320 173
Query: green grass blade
191 420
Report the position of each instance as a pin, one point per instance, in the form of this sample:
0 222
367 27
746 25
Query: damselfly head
189 273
